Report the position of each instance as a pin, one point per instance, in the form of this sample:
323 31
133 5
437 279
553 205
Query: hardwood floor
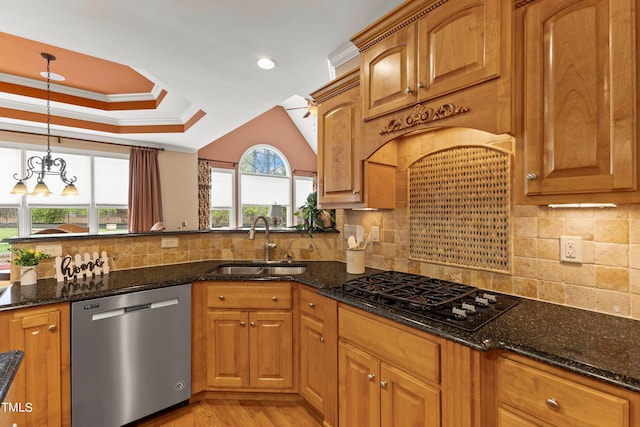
237 413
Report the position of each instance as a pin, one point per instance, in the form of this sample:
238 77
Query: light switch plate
169 242
375 234
51 249
571 249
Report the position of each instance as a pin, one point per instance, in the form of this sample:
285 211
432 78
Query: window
102 181
303 186
265 184
222 198
9 203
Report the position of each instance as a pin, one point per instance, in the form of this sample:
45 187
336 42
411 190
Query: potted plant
315 219
28 260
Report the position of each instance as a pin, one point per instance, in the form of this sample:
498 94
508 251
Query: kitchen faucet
252 235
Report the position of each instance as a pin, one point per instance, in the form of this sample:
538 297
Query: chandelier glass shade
40 166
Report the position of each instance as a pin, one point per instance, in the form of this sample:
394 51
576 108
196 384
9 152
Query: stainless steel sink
260 269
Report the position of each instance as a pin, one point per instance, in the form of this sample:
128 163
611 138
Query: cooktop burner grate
422 297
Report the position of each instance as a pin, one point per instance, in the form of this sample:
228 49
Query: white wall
179 181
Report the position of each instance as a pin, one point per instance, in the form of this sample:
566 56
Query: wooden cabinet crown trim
404 15
340 85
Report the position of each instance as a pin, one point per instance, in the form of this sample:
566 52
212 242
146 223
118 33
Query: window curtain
145 199
204 194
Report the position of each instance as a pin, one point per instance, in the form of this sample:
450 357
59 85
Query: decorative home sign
71 268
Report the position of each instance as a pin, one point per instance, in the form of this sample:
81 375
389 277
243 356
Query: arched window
265 186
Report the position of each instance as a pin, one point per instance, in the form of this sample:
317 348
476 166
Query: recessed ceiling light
266 63
53 76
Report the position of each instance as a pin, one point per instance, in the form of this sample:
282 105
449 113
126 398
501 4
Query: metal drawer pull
420 85
408 90
532 176
274 299
221 297
383 384
312 304
253 324
321 339
52 328
553 404
241 323
371 377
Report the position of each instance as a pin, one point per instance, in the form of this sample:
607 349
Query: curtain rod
82 140
219 161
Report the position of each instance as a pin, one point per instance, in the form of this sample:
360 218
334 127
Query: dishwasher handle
137 307
134 308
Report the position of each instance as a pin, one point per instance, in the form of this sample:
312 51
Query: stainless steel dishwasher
130 355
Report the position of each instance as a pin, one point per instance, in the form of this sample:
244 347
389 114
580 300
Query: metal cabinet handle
242 323
532 176
253 324
274 299
371 377
420 85
221 297
408 91
52 327
383 384
312 304
321 339
356 191
553 404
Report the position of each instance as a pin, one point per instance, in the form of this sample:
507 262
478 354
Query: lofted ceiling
168 73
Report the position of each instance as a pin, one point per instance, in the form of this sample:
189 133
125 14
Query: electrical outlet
375 234
571 249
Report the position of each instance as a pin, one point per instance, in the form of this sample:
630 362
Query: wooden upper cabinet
389 73
459 45
339 121
423 50
578 97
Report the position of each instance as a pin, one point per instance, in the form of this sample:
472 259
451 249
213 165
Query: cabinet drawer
312 303
557 400
411 351
250 296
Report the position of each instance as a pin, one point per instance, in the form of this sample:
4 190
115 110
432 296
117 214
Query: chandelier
45 165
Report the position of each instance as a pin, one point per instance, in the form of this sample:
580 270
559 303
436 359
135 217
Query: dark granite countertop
597 345
9 364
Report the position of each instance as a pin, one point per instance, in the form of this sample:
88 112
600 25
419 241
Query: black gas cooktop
421 297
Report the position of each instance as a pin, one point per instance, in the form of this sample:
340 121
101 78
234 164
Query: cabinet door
312 359
406 401
339 167
388 73
359 390
579 96
459 46
228 349
271 349
38 380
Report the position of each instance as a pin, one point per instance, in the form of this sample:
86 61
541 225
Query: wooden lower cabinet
374 393
318 352
249 347
530 393
388 374
41 387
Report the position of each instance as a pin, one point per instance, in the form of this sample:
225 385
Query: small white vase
28 275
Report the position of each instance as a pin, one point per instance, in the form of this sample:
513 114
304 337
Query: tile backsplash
607 280
128 252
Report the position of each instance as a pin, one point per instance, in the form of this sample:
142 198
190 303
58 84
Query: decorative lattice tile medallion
459 202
